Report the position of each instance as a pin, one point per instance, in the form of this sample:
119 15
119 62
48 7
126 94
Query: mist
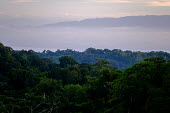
125 38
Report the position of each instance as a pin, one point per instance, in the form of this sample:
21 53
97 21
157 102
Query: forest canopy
30 84
117 58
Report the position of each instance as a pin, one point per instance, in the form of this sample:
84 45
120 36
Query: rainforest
33 84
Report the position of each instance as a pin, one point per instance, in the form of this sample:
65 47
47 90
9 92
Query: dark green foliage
67 61
30 84
117 58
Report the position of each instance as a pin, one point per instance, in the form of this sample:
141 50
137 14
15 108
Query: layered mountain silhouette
149 21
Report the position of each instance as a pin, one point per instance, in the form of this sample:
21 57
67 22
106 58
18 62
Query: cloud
159 3
113 1
25 1
1 13
162 3
148 2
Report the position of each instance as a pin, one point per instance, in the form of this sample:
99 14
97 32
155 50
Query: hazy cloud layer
113 1
148 2
25 1
82 38
81 9
161 3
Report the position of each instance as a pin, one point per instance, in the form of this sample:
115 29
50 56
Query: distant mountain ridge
151 21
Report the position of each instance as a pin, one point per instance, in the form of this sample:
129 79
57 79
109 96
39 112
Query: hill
118 58
149 21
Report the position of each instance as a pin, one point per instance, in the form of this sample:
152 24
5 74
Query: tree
74 98
67 61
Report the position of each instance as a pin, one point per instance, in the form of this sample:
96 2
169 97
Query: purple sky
18 18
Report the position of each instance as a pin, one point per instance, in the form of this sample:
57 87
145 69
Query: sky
16 16
80 9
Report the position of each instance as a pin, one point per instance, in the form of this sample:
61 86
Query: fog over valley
121 33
